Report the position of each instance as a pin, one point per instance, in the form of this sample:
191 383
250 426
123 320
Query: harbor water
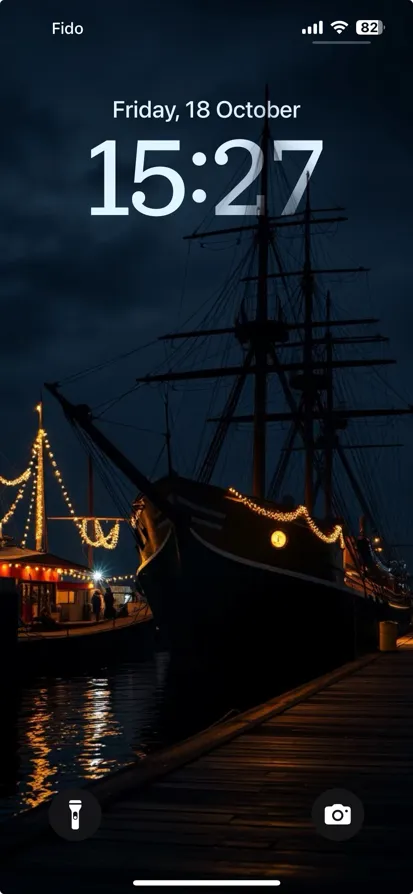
69 731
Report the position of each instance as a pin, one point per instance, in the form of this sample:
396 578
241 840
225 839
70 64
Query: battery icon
369 26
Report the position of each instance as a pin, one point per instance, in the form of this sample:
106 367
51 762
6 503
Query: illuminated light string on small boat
30 512
301 511
8 482
120 577
10 512
109 541
20 493
96 578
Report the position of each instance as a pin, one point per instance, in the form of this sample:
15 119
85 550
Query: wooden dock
235 801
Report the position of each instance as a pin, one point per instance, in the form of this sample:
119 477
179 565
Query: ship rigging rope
300 511
112 402
220 304
363 469
110 477
184 281
99 366
193 345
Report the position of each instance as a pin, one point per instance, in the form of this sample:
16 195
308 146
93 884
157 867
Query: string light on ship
109 541
300 512
24 477
99 576
121 577
106 541
22 480
15 481
10 512
30 512
20 494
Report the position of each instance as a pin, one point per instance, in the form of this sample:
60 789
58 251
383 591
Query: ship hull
51 654
230 605
222 609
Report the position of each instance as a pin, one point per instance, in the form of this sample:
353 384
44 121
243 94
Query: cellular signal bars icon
313 29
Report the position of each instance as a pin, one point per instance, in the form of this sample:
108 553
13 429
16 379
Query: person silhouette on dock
96 605
109 604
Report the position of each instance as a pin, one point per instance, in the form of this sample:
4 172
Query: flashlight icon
75 808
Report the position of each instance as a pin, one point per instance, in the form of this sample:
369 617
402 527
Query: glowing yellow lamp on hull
278 539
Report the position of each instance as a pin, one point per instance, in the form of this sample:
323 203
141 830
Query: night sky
77 290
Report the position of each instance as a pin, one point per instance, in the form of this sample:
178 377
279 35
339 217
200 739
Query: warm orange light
60 571
278 539
37 568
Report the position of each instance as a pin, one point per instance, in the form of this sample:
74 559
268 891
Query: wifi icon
339 27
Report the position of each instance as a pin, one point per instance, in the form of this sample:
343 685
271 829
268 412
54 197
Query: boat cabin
47 583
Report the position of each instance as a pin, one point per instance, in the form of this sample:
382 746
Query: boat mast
168 435
308 379
261 319
40 516
90 494
328 433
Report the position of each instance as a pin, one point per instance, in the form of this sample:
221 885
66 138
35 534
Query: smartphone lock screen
206 441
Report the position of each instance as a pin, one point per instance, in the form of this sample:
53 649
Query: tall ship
238 570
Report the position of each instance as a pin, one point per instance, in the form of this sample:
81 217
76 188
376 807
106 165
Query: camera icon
337 815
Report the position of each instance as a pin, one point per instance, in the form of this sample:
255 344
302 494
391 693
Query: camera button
338 814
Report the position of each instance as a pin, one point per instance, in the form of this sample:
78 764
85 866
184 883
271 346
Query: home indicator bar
251 883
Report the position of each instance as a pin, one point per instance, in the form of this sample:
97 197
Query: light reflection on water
67 732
